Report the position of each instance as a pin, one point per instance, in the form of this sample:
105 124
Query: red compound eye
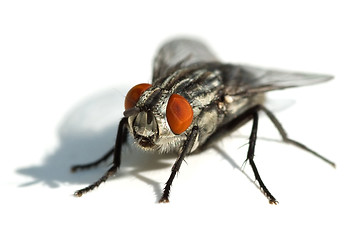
132 97
179 113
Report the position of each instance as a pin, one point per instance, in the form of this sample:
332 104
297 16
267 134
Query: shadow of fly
194 100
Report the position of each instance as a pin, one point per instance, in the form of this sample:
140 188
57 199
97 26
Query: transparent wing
244 79
238 79
179 53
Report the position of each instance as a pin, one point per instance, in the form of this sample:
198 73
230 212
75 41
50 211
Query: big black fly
193 100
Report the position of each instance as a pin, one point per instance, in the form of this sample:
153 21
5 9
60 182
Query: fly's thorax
208 121
233 106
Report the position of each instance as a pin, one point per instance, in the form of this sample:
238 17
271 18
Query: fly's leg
250 114
285 139
122 130
189 143
291 141
93 164
250 158
86 166
75 168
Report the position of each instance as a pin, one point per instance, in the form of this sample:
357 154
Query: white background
65 67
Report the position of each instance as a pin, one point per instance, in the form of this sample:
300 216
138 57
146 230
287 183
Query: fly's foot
78 193
164 200
81 192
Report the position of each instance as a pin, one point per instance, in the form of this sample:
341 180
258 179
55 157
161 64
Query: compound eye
133 96
179 113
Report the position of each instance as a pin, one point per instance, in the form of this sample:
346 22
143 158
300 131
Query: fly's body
193 100
212 100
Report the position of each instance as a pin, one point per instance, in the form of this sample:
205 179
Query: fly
194 100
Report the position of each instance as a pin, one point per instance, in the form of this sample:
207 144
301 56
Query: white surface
65 67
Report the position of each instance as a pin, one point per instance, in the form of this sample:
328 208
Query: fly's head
158 119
